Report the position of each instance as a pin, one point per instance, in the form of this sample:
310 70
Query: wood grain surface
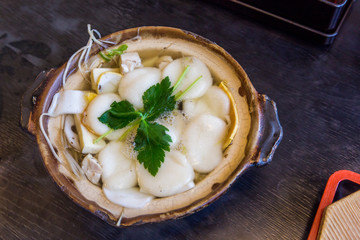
316 88
341 219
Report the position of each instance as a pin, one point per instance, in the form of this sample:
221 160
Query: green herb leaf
158 100
119 115
151 142
109 54
106 58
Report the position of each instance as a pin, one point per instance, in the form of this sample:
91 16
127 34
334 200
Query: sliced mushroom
163 61
91 168
70 132
129 61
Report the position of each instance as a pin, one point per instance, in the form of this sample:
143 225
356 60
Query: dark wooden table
316 88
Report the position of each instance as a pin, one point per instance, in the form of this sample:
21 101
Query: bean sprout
82 59
85 52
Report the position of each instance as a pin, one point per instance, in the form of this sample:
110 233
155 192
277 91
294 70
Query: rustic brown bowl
254 144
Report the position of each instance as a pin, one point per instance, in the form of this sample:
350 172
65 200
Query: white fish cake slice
197 68
174 176
96 108
214 102
70 102
133 84
175 122
118 168
203 139
129 197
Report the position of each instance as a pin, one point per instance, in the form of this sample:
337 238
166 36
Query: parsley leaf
151 142
119 115
158 99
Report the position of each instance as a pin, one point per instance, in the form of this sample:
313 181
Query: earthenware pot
253 145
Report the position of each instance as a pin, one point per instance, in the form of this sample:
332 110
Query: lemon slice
96 72
89 96
87 138
234 118
108 82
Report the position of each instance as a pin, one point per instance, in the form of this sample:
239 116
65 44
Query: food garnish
151 139
233 116
109 54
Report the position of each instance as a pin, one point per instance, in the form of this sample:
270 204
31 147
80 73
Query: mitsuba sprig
151 139
109 54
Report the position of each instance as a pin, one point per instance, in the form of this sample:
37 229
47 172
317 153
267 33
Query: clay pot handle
30 101
270 129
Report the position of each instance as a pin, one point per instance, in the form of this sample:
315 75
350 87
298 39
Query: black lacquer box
318 20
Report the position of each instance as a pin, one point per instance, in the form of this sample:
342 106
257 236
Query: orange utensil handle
328 196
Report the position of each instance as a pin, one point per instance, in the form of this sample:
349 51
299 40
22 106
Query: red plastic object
328 196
